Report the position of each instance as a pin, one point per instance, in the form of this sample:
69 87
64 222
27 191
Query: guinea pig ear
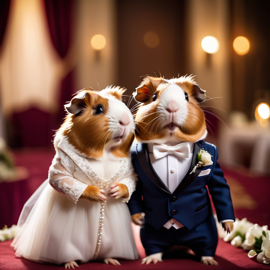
198 94
77 104
147 89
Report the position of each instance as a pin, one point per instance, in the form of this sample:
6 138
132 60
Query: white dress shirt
171 170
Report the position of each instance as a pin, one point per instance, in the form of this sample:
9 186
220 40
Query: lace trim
84 165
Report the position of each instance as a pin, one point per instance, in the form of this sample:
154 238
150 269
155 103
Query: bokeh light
210 44
262 114
151 39
241 45
98 42
263 110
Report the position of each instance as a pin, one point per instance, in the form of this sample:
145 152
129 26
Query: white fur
173 93
117 110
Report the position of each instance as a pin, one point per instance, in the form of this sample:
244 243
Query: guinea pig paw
207 260
71 265
111 261
154 258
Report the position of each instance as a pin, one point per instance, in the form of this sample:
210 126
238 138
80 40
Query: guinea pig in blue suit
174 166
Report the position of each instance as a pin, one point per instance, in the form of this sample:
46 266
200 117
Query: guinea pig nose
124 121
172 107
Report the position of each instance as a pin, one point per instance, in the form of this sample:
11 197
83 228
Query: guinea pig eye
154 96
186 96
99 109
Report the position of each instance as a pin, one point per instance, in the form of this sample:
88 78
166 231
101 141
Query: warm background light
210 44
98 42
262 113
263 110
151 39
241 45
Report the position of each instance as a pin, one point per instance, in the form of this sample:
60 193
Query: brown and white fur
169 113
99 126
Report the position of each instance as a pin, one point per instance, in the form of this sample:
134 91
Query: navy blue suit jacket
189 203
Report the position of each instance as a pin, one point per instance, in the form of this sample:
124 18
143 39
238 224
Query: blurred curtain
60 21
4 12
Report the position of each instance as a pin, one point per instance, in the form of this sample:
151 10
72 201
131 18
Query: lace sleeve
129 179
61 178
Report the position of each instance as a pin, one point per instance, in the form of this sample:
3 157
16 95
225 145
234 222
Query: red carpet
250 194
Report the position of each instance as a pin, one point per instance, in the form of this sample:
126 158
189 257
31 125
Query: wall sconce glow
241 45
210 44
151 39
262 114
263 110
98 42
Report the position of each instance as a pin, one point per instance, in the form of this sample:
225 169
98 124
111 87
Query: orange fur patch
91 193
123 191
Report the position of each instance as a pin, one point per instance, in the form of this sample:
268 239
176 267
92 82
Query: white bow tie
181 150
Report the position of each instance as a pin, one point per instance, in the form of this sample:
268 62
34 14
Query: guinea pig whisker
157 127
212 107
152 120
156 120
208 123
147 115
195 115
130 100
137 130
106 138
209 98
135 106
217 118
137 124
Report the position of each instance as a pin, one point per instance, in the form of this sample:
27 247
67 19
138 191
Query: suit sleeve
220 192
135 203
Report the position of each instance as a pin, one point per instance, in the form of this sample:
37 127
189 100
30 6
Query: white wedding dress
55 226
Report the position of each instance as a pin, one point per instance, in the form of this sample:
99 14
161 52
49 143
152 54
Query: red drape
60 22
4 11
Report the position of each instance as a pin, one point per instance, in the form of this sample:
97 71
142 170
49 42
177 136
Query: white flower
13 229
239 226
237 241
2 238
249 242
264 256
8 233
252 232
252 253
266 241
206 159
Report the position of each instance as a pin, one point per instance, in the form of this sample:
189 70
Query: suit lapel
144 160
189 178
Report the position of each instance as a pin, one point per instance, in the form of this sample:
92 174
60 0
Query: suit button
174 199
174 212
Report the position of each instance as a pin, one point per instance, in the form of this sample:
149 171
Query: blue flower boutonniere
204 159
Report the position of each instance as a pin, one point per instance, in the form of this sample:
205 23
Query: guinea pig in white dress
79 213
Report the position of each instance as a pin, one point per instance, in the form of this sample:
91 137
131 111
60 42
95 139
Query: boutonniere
204 159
